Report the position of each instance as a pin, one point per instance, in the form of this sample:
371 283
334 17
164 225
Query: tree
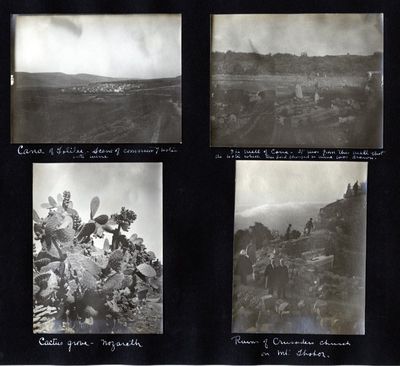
259 233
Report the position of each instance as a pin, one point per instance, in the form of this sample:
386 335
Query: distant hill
61 80
278 216
56 79
242 63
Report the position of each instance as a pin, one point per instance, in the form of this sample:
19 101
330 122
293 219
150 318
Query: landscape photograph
97 251
297 80
299 250
96 78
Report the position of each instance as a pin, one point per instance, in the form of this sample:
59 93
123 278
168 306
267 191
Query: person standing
243 267
309 226
270 277
251 252
349 191
355 188
283 279
288 231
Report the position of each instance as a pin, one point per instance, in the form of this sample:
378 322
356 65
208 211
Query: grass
47 115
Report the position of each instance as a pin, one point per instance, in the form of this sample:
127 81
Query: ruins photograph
97 250
297 80
96 78
299 248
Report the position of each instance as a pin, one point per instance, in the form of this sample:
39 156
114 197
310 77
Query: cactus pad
36 217
94 206
52 223
115 260
52 201
65 235
146 270
102 219
114 282
88 281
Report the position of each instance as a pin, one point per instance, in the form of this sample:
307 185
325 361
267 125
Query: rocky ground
318 300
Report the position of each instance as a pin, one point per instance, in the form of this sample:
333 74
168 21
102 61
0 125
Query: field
254 83
107 112
263 110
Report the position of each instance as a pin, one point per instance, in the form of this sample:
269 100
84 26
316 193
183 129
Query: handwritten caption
299 154
95 152
301 348
72 345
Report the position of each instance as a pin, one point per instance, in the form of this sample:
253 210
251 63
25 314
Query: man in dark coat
270 277
283 279
243 267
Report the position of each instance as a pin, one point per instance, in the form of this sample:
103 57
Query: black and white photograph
299 247
96 78
97 248
297 80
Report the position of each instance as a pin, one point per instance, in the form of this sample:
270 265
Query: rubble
301 114
325 293
299 92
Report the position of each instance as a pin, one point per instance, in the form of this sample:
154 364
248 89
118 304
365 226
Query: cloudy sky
136 186
125 46
277 182
316 34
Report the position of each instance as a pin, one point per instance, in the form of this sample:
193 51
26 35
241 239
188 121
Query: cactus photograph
96 78
97 248
299 247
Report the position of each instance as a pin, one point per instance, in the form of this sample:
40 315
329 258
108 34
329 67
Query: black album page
200 182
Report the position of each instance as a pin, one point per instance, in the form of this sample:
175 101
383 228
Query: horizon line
102 76
294 54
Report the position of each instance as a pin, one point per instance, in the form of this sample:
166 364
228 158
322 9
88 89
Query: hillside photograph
97 251
299 248
297 80
96 79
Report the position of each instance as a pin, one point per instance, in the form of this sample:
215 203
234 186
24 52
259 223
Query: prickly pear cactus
74 279
114 282
115 260
65 235
44 318
41 263
52 223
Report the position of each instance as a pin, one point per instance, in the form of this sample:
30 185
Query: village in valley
123 91
107 111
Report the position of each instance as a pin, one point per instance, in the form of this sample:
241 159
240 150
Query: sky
316 34
124 46
278 182
135 186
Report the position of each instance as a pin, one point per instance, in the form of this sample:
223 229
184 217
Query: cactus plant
124 219
80 283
